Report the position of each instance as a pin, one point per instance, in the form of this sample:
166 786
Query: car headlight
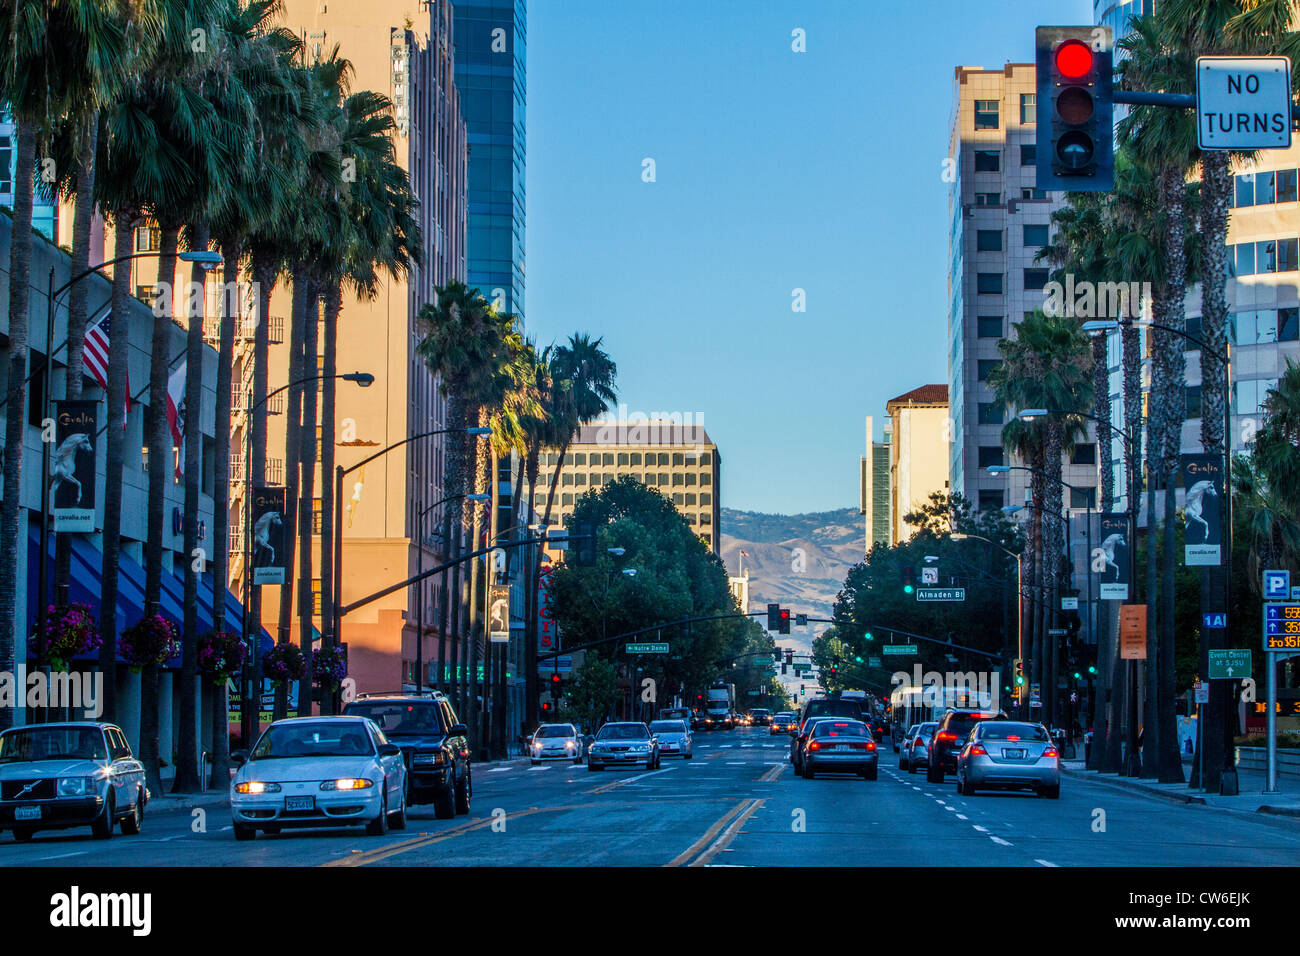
347 783
257 786
76 786
433 759
569 744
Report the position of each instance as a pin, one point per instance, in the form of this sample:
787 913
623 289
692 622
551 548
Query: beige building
918 452
680 461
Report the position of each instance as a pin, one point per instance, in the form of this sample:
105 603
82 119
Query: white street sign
1243 102
929 575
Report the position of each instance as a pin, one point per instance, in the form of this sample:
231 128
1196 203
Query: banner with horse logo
268 536
72 467
1203 509
499 613
1110 561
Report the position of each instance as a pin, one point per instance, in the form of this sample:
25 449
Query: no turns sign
1243 102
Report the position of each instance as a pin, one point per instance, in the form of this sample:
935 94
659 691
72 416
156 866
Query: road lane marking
952 810
63 856
709 834
729 834
736 763
626 780
498 769
1046 863
535 769
962 816
980 828
1000 841
775 770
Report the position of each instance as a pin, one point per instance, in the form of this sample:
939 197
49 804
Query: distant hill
798 561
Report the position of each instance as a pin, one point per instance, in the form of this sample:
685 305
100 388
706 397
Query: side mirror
239 757
458 730
390 750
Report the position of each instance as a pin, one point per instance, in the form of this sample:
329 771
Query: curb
187 801
1123 784
1279 811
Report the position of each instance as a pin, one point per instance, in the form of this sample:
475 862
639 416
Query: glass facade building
491 43
45 208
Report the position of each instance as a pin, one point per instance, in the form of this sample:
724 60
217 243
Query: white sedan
319 772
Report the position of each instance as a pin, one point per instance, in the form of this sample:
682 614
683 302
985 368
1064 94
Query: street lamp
364 380
1020 600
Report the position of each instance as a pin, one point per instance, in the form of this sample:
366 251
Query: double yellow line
703 850
383 853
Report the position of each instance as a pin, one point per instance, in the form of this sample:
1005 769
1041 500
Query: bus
909 704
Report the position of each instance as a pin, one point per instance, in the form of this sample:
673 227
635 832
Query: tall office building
45 208
999 220
875 488
918 453
491 42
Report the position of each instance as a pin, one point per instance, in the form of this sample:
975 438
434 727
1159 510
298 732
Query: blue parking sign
1277 585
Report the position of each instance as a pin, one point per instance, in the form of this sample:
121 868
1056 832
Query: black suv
434 746
949 737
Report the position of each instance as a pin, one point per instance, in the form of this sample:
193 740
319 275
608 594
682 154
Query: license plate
27 813
844 747
300 803
1013 754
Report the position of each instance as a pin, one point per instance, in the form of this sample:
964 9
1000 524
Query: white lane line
1000 841
916 788
962 816
725 746
735 763
536 769
62 856
952 810
980 828
1046 863
940 802
498 769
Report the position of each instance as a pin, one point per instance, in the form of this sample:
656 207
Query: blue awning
84 588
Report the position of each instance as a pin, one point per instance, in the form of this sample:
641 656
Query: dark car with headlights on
434 745
75 774
785 722
1009 755
949 738
623 744
840 746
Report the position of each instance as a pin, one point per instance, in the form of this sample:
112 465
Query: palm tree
62 62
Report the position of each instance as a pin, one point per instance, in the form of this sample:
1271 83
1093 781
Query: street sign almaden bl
896 649
1243 102
941 594
1230 663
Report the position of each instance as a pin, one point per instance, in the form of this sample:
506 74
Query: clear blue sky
775 171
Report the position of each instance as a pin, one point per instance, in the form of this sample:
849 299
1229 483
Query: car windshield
840 728
317 738
400 718
1001 730
623 732
555 730
834 708
927 730
668 727
52 743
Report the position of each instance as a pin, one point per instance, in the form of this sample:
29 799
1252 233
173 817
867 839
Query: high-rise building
1116 14
45 205
920 431
999 221
875 488
678 460
491 42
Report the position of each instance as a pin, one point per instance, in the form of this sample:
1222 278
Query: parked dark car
950 737
434 745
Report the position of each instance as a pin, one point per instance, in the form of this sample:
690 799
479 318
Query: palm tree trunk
264 275
187 763
333 304
293 427
307 484
455 470
444 601
1055 546
520 531
12 535
533 683
1150 730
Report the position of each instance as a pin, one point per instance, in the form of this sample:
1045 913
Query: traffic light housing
582 539
784 620
909 580
774 617
1075 109
1020 673
789 656
801 620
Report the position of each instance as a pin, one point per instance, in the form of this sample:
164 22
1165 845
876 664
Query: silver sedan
555 742
675 738
1007 755
914 751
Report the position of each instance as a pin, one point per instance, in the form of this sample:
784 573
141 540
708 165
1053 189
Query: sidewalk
1250 784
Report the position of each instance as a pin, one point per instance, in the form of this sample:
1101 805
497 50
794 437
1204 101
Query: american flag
95 358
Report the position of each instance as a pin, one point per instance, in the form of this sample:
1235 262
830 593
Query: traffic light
774 617
1075 147
858 658
1092 669
1020 673
785 620
869 636
582 538
909 580
789 656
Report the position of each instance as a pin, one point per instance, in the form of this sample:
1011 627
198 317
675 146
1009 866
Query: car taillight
978 750
871 745
918 742
946 736
814 746
1051 752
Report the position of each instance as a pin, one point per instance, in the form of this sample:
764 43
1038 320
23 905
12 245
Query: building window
679 480
1035 280
990 500
1081 498
663 478
1028 108
678 459
706 479
606 459
1263 189
315 516
986 114
566 478
1286 185
1288 325
566 500
622 459
985 366
706 518
148 239
989 283
690 479
146 294
315 597
706 459
1084 454
1245 190
988 240
987 161
706 499
990 326
1245 259
1028 154
1032 193
1193 401
990 455
988 199
663 458
635 458
1035 235
595 478
990 413
690 500
1288 254
580 478
6 164
678 500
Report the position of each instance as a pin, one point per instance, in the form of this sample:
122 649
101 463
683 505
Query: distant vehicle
915 749
674 738
555 742
720 707
840 746
622 744
1007 755
833 707
910 704
317 772
760 717
783 723
799 740
679 713
949 738
74 774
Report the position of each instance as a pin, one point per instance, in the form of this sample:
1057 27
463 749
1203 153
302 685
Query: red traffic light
1074 59
555 678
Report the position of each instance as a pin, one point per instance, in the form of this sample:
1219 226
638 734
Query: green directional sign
1233 663
941 594
648 648
890 650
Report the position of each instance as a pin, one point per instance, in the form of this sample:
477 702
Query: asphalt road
737 803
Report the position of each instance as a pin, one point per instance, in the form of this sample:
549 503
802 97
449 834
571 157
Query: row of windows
1262 189
986 111
1084 453
990 160
995 199
628 458
990 240
1261 258
992 283
676 479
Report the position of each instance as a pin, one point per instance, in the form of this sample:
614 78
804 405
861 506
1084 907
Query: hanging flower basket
283 663
150 640
328 668
69 631
220 654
